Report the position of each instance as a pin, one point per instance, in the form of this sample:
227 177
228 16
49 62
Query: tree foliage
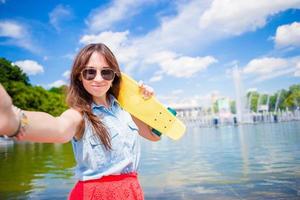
287 99
11 73
29 97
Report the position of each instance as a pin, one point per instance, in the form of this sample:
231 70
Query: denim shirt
93 160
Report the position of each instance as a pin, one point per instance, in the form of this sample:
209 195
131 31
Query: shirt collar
112 102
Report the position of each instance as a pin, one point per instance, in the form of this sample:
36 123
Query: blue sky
185 50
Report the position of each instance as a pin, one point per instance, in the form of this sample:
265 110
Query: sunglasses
90 73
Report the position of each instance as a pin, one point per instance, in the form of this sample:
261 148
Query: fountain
243 113
277 101
201 117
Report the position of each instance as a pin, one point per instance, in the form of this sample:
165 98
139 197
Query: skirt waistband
112 178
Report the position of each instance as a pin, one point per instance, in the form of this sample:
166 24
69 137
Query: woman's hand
144 129
146 90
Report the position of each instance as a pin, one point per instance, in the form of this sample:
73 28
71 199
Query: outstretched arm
8 120
41 127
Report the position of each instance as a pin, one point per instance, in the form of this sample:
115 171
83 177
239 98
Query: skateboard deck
150 111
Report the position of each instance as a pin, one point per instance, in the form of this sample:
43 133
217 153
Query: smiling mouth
98 85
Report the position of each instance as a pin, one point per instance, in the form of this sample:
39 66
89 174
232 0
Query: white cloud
234 17
58 14
274 74
16 34
104 18
67 74
178 33
113 40
270 68
177 92
175 100
11 29
69 56
288 35
180 66
57 83
156 78
297 72
30 67
265 65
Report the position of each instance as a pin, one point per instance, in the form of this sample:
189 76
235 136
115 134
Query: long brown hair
79 99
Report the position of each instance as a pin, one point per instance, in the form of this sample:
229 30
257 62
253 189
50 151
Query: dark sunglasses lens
89 74
108 74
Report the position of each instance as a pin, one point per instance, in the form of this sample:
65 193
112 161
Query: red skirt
113 187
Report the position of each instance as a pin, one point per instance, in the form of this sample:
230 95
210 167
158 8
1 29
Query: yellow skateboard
150 111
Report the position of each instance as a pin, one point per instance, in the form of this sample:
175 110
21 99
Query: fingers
146 90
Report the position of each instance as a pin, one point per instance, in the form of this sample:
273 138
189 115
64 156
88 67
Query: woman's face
98 86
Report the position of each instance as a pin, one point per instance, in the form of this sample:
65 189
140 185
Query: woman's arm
145 130
41 127
8 120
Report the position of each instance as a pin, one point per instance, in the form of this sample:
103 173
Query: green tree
273 102
215 107
283 104
59 90
292 100
233 107
27 97
11 73
253 98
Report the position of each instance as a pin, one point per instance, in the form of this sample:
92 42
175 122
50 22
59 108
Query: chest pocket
99 155
102 157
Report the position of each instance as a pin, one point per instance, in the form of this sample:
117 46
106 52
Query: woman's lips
101 85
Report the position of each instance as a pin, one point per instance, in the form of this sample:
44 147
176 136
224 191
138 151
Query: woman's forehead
97 60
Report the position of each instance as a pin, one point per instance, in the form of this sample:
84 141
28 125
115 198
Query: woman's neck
102 101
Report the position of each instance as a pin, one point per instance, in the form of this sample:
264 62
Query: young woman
104 136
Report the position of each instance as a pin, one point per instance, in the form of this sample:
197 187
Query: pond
260 161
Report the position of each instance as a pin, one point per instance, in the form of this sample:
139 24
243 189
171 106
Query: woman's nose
98 76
